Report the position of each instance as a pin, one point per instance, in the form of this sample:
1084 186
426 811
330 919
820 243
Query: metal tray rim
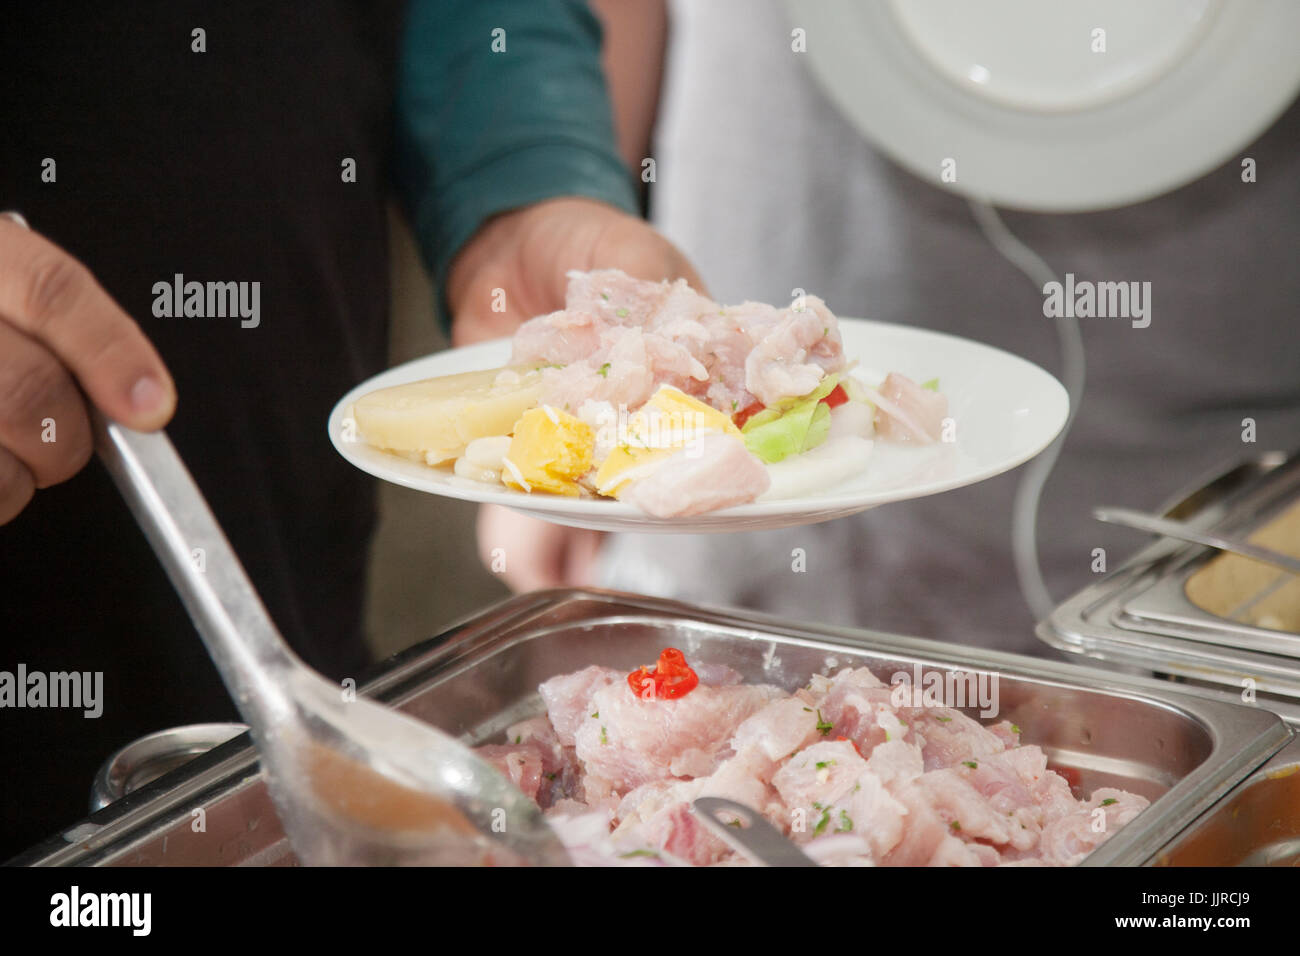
1258 736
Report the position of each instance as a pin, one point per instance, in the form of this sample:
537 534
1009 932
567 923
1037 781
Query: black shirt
223 166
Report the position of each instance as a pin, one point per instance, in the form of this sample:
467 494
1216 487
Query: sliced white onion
488 452
465 468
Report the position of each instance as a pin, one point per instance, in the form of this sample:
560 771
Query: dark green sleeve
481 131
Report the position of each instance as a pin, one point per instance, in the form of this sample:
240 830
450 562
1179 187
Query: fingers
680 267
16 486
531 554
581 556
53 299
43 420
522 550
479 325
636 247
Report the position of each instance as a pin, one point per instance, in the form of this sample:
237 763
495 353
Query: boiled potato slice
438 417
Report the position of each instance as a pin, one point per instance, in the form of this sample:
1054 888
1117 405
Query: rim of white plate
495 353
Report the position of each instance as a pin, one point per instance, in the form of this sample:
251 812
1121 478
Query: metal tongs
354 782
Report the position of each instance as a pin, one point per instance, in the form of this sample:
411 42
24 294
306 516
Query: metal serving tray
1112 730
1165 606
1257 824
1140 617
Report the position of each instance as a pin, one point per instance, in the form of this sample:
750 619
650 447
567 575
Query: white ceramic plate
1034 118
1005 410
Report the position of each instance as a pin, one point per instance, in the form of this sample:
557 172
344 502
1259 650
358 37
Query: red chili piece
670 678
836 397
746 413
854 743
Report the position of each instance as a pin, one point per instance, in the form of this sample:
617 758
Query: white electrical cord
1024 516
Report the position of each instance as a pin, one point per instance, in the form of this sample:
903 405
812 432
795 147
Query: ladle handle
236 629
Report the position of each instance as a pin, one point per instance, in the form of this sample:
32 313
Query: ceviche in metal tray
856 771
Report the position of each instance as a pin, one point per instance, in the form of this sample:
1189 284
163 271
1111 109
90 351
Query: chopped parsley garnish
821 824
1108 801
807 710
943 719
970 763
550 776
818 806
605 296
823 764
603 371
603 738
823 725
519 738
735 823
955 826
1015 730
635 853
596 714
734 403
621 313
826 330
846 822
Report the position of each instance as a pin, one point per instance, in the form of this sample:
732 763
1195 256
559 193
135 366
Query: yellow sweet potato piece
550 450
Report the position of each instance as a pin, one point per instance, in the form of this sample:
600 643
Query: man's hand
60 330
536 554
520 258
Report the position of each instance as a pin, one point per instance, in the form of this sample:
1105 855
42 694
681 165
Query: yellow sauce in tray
1248 591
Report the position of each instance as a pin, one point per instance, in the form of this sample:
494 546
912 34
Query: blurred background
424 572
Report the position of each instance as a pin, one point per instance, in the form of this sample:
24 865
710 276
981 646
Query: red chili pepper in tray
669 679
854 743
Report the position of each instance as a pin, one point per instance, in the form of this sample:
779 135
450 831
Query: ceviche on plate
648 403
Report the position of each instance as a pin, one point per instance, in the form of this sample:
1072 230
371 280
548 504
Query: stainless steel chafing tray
1141 616
1183 752
1257 824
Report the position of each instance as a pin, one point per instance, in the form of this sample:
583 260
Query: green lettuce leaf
792 426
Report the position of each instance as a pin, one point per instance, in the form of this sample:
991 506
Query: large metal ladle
354 782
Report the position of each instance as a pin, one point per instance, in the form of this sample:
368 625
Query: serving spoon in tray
354 782
748 833
1154 524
